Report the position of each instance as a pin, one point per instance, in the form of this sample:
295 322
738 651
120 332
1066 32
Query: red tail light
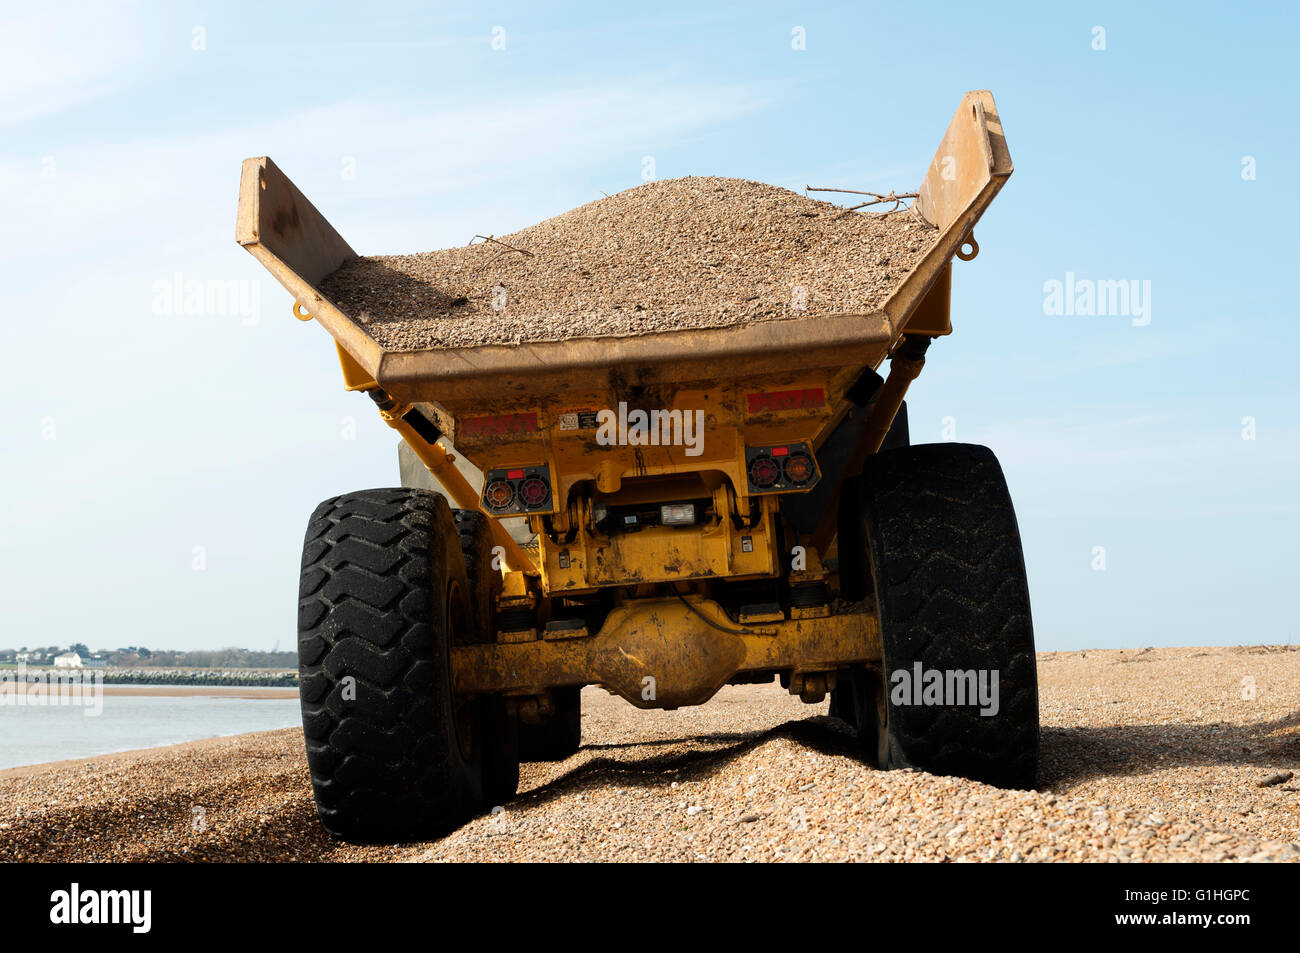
534 492
498 495
764 472
787 467
517 490
799 469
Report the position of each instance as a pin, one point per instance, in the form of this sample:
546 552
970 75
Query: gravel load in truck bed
696 252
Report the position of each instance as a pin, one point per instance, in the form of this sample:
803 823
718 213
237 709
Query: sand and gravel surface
1147 755
696 252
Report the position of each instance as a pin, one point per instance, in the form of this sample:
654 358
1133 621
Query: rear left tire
394 754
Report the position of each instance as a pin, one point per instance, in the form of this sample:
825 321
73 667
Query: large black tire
500 732
944 563
383 597
560 736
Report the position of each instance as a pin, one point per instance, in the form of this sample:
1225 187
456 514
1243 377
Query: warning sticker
579 420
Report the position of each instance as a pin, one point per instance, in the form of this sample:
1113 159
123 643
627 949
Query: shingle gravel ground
1147 755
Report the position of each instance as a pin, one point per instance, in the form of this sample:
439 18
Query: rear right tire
929 533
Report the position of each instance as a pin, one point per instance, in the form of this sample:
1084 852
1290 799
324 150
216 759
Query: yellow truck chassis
659 569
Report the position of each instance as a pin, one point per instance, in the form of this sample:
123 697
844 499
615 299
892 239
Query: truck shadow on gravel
822 734
1075 755
1070 756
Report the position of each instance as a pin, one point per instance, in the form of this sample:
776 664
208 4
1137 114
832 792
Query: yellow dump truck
447 626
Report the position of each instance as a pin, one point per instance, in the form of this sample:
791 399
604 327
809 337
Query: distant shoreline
37 689
220 678
207 691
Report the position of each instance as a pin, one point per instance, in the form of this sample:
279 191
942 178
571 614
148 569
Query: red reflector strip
498 426
514 474
786 400
780 451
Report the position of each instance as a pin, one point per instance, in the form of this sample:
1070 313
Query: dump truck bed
723 304
697 252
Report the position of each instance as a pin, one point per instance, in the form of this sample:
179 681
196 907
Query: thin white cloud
162 188
60 56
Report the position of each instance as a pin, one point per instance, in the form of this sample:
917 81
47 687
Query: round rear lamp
799 468
534 492
764 472
499 494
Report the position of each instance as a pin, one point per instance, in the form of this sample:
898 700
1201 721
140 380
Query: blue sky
159 465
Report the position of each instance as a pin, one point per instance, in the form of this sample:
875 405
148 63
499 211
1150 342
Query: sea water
32 734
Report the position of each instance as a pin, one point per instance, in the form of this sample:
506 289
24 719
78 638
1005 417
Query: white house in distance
73 660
